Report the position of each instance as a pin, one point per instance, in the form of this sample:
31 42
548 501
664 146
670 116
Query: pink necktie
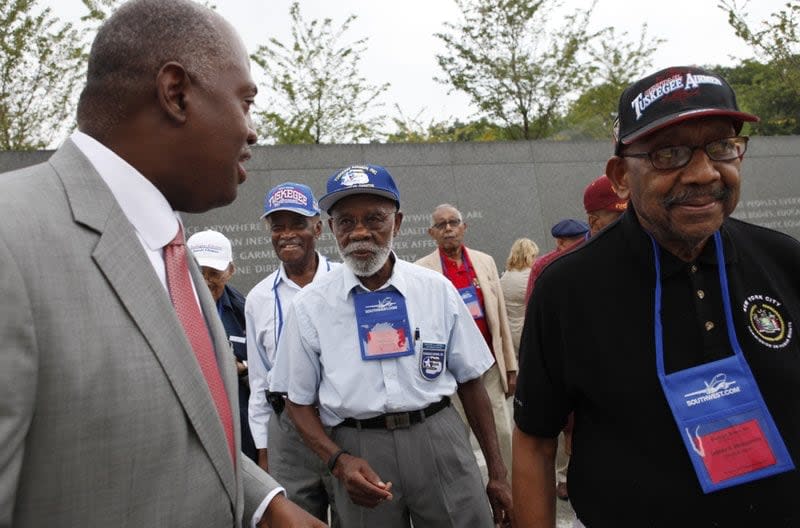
183 298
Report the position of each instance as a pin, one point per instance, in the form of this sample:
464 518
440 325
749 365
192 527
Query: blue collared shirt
263 323
321 343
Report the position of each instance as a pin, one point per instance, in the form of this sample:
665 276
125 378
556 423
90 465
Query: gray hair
447 206
133 44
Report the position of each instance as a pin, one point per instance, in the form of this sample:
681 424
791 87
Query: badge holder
470 297
383 328
469 294
726 427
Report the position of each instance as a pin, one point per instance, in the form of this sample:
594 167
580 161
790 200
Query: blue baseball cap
359 179
293 197
569 228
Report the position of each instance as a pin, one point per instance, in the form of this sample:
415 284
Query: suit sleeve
257 485
18 378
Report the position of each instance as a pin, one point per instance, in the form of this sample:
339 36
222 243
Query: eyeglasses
373 222
441 226
677 156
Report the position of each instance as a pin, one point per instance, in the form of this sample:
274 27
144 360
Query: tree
762 89
41 63
413 130
619 63
515 68
769 88
317 92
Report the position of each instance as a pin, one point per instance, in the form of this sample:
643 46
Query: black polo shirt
588 347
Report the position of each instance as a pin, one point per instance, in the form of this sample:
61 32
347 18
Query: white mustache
352 247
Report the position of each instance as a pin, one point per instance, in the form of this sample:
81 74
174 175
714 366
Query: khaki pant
502 415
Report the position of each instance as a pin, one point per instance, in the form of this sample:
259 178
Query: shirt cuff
263 506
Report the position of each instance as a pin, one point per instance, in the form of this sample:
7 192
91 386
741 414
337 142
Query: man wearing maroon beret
602 204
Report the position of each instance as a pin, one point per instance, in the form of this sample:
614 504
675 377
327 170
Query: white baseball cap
211 249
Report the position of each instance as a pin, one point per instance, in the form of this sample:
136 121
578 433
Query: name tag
470 297
383 328
729 433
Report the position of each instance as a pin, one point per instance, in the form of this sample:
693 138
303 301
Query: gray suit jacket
105 417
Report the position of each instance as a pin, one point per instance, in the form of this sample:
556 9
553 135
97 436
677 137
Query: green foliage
514 69
520 71
762 89
40 67
317 92
414 131
618 63
769 87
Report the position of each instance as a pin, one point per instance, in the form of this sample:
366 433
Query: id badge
725 424
727 429
383 328
470 297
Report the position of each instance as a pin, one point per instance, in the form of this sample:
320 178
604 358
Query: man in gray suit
107 417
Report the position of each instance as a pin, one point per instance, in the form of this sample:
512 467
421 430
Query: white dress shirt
321 341
265 312
152 217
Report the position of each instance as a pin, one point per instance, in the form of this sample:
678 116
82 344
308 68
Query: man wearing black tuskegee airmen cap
682 384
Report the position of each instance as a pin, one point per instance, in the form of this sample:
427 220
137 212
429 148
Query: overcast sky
402 47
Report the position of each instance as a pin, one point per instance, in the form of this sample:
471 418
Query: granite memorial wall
505 191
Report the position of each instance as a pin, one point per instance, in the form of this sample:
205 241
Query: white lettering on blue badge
432 360
718 387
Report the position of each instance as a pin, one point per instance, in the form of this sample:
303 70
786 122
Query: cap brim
217 264
328 201
298 210
685 116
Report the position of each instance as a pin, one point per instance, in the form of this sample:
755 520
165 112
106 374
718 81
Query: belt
399 420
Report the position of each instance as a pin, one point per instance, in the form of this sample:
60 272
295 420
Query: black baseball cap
670 96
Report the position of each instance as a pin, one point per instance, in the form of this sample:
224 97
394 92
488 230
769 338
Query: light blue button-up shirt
265 312
320 344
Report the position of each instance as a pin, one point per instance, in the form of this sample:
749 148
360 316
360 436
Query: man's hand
263 459
499 493
283 513
363 485
511 378
241 368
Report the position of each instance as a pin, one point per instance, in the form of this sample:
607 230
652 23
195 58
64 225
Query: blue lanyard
741 415
277 310
726 303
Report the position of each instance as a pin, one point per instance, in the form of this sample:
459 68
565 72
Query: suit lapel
124 263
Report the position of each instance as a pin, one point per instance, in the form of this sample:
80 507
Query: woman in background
514 281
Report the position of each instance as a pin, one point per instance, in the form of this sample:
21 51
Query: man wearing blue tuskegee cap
292 218
380 344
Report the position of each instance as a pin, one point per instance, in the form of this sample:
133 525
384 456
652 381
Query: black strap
399 420
335 457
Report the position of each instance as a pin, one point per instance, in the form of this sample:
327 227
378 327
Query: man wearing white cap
292 218
213 253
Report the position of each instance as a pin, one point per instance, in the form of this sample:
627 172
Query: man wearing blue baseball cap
682 383
567 233
380 345
292 218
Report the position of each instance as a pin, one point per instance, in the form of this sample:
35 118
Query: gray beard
366 267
